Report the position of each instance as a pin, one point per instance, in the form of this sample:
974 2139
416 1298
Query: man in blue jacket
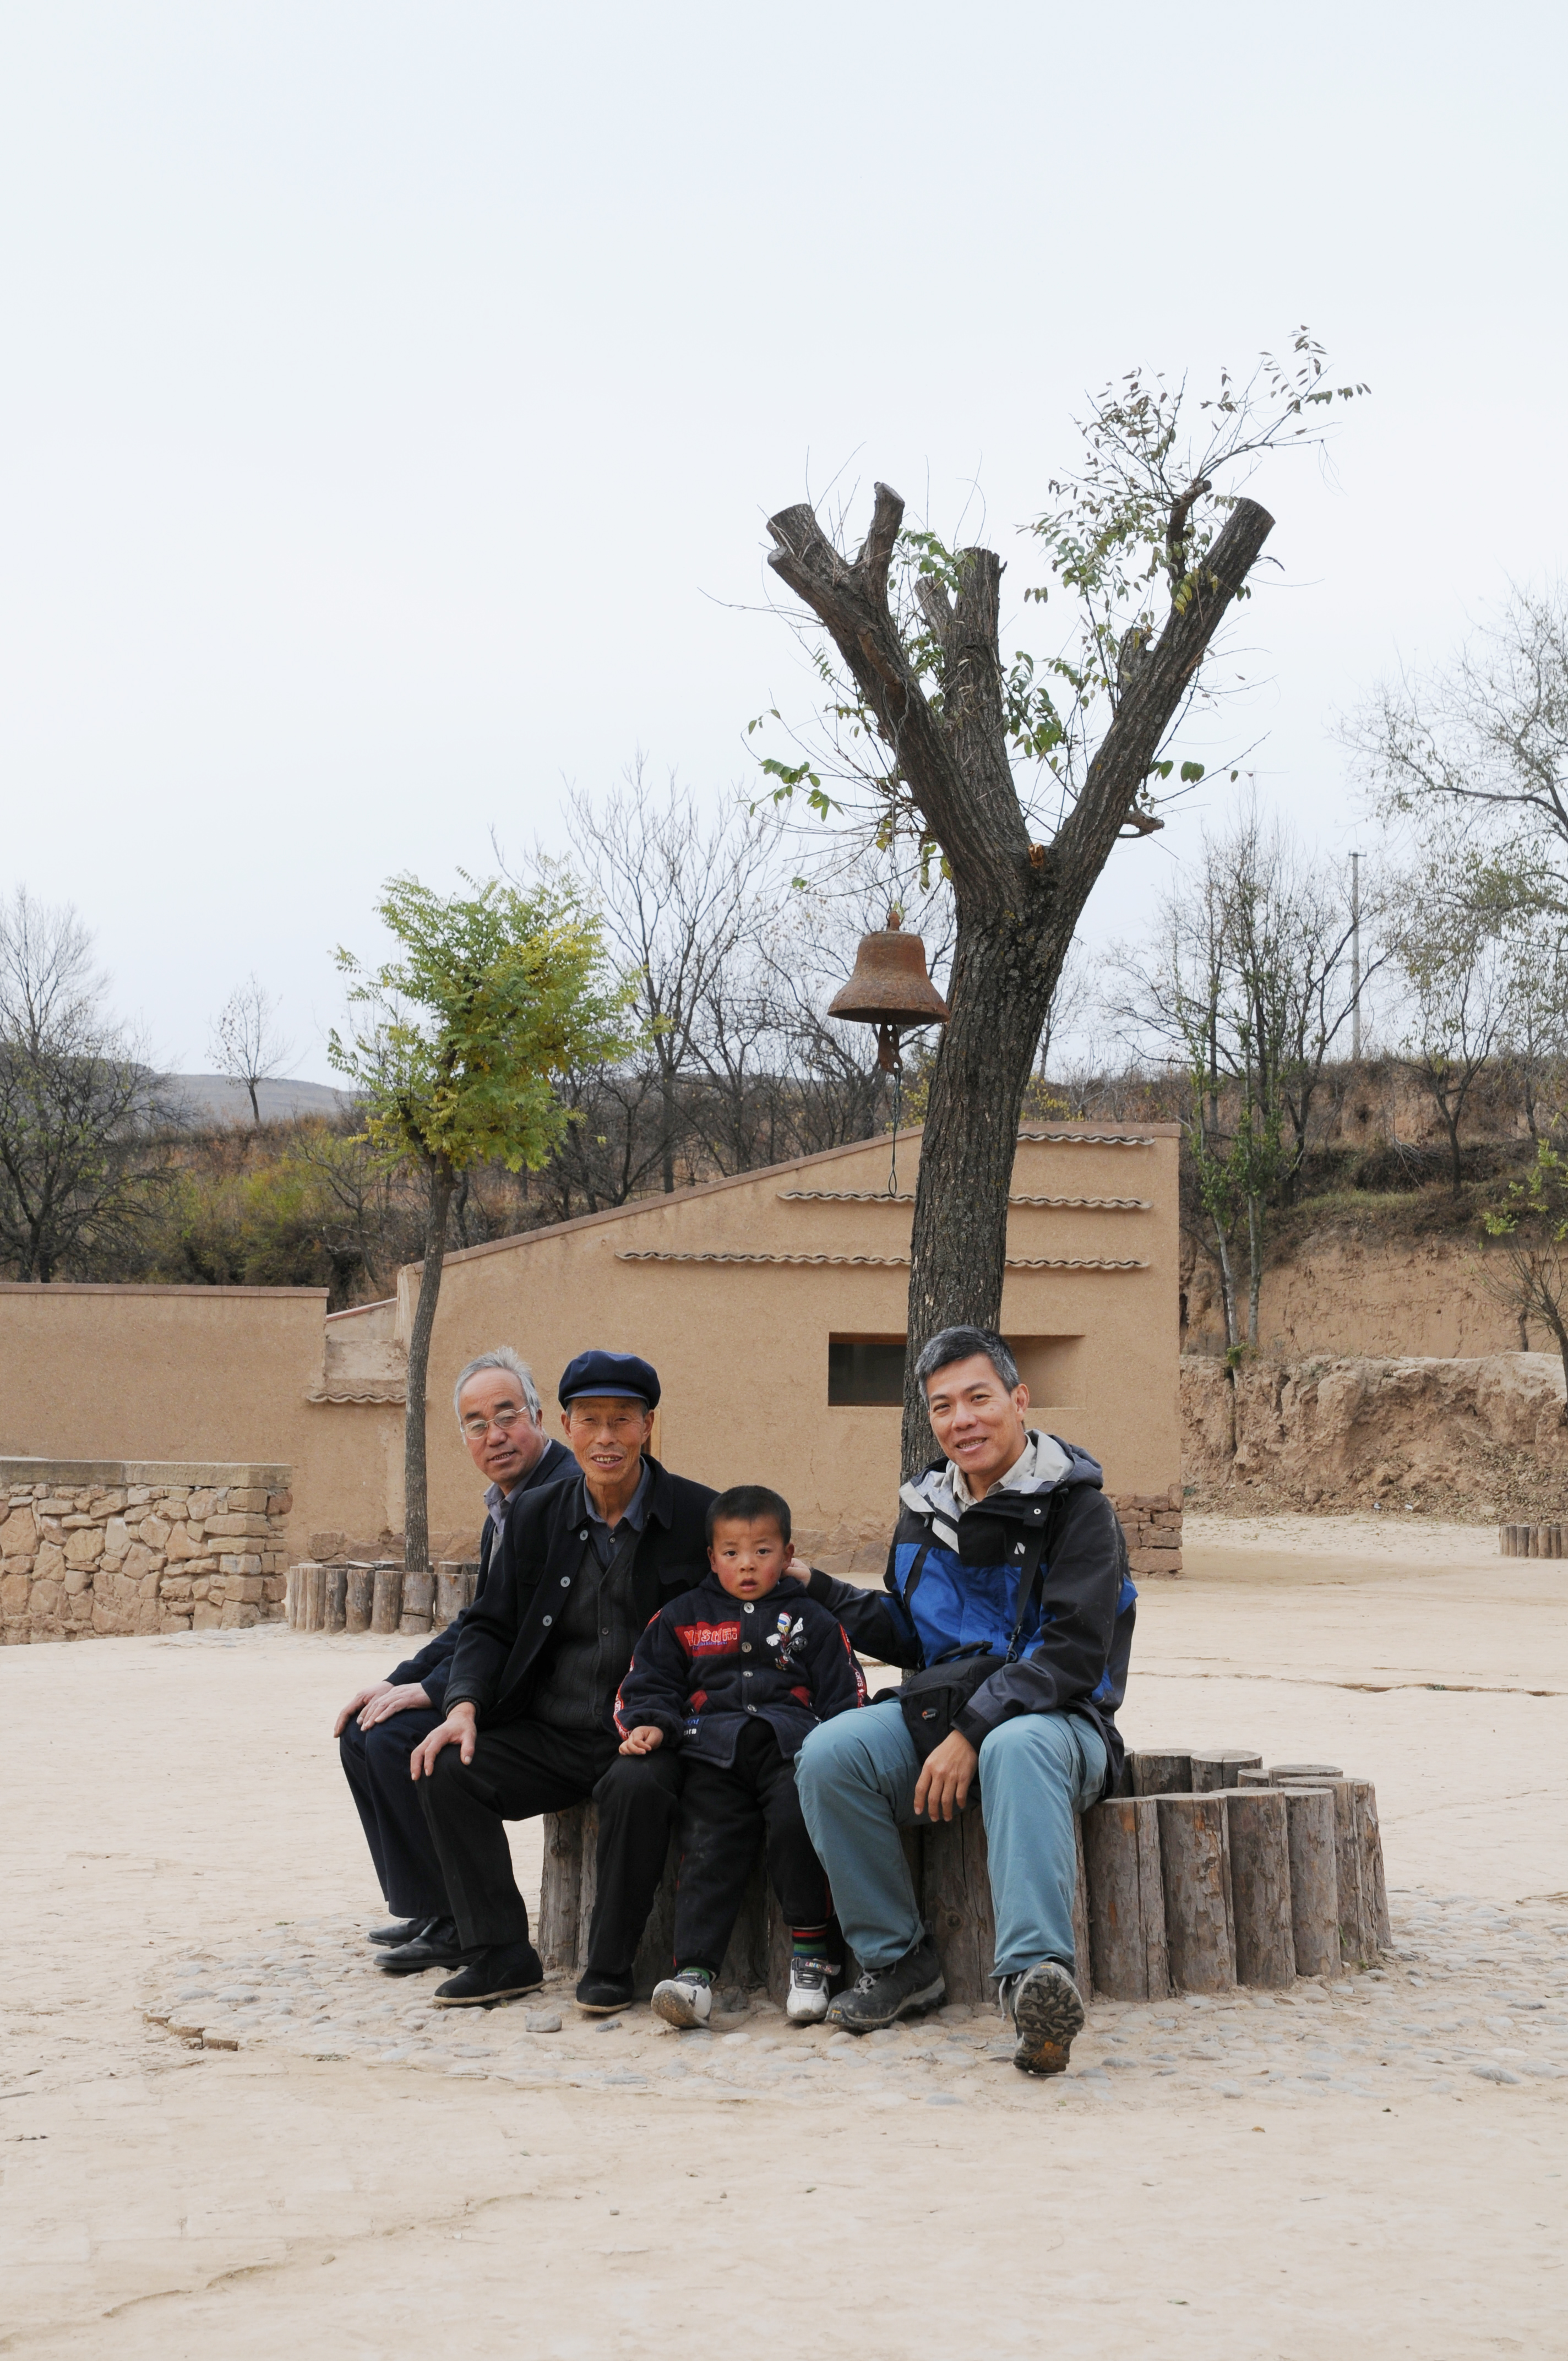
501 1423
1007 1595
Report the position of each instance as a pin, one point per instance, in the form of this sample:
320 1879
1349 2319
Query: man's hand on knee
459 1728
945 1778
389 1701
362 1697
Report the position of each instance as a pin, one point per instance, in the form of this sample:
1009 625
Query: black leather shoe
436 1946
500 1971
600 1994
401 1930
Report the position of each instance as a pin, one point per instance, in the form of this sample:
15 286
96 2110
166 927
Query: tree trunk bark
1258 1833
667 1120
1453 1128
1227 1288
1160 1775
1017 903
1254 1267
1195 1864
1000 986
416 1492
1314 1883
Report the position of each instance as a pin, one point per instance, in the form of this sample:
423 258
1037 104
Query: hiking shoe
808 1981
684 2000
600 1993
500 1971
401 1930
1047 2014
884 1995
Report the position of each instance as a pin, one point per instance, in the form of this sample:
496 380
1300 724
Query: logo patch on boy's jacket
788 1637
709 1639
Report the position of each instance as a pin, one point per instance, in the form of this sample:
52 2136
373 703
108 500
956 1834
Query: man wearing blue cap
531 1693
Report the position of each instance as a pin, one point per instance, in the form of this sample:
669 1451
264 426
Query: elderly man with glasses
501 1423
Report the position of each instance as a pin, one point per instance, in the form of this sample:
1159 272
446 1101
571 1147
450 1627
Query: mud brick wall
1152 1522
91 1548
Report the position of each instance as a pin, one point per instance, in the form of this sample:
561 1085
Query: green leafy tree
494 995
1528 1270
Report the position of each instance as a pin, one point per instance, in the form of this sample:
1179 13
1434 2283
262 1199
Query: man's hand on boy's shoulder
642 1740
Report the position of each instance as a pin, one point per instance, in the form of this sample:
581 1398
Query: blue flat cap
619 1375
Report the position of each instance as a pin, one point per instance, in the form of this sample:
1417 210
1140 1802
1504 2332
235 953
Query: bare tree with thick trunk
950 749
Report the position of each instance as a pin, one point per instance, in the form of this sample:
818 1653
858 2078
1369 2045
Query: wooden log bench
1181 1887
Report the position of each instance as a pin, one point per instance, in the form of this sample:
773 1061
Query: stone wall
1152 1524
107 1547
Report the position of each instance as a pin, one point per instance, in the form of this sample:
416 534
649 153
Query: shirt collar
1039 1465
636 1509
495 1505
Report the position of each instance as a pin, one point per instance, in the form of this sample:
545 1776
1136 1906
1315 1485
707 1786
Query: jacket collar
661 1500
787 1586
1043 1467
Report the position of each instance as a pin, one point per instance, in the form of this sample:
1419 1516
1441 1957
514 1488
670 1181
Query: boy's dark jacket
506 1635
430 1666
709 1663
951 1587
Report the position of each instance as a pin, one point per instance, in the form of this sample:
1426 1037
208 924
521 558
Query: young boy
737 1674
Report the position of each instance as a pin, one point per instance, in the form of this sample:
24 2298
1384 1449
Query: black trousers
723 1815
522 1769
376 1764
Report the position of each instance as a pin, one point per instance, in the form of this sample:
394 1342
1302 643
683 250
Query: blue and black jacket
952 1585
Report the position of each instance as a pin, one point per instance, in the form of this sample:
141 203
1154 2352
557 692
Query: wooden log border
353 1596
1184 1891
1530 1541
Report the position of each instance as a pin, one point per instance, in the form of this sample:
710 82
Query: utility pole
1356 959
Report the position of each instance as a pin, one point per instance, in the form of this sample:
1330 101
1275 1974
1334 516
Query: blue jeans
856 1775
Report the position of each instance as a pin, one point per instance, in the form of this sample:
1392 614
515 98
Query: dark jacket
951 1589
504 1639
433 1663
708 1663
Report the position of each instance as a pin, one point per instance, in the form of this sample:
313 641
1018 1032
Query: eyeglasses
506 1419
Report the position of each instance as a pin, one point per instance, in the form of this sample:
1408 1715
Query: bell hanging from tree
891 990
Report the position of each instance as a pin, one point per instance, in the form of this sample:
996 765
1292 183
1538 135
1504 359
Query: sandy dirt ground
288 2162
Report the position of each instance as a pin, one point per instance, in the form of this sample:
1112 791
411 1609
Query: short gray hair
950 1344
503 1358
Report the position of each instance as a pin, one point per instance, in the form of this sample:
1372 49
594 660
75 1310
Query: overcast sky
394 395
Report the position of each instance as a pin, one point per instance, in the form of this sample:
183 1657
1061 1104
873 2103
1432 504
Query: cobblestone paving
1471 1993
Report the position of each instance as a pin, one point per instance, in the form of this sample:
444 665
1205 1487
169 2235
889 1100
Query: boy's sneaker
684 2000
808 1982
1047 2014
884 1995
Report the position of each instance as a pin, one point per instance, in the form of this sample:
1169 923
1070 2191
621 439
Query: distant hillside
212 1098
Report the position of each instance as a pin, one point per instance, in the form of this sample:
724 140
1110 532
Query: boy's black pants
723 1814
